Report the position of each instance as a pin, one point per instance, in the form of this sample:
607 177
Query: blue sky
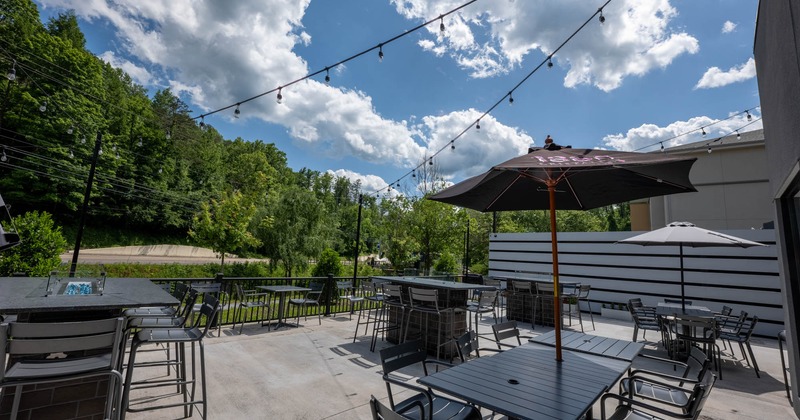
654 70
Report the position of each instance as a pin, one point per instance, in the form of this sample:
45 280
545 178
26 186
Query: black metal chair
486 304
504 331
434 406
393 300
382 412
644 318
373 298
250 300
527 289
688 406
700 332
425 303
179 292
647 383
311 298
467 343
92 349
742 336
191 335
583 296
347 293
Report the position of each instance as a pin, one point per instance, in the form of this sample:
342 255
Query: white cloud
714 77
369 183
635 39
649 137
728 27
139 74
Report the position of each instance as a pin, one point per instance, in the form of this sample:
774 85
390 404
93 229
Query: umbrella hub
681 224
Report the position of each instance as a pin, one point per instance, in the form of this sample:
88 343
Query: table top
20 295
587 343
526 382
667 309
435 283
283 288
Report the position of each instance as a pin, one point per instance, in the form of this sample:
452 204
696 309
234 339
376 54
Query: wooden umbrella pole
551 189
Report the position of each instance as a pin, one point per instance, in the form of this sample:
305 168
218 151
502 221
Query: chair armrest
636 403
659 378
404 384
434 362
675 363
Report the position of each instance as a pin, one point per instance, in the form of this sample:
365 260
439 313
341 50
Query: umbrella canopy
687 234
569 179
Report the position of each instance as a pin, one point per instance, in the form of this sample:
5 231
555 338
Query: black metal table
668 309
526 382
281 291
588 343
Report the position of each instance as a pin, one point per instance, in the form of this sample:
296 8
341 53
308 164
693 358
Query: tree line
161 172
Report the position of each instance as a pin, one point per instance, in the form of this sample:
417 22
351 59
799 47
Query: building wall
733 189
777 54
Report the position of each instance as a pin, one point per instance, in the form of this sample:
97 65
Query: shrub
446 263
329 263
40 249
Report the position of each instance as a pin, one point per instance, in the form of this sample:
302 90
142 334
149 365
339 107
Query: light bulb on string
703 131
236 112
280 96
83 139
738 136
12 74
327 76
4 158
71 129
510 99
452 145
100 152
549 62
709 149
71 155
430 162
441 24
662 146
478 125
413 174
160 170
380 53
43 106
140 143
602 18
116 155
168 135
749 117
202 124
114 147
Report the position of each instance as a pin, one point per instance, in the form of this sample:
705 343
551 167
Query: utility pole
358 239
86 197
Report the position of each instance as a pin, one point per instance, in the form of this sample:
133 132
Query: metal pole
86 197
358 239
466 250
551 189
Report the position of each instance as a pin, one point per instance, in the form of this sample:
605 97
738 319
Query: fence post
328 295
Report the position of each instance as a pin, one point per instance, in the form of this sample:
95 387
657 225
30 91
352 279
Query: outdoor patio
317 372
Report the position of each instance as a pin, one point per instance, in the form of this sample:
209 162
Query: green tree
41 247
222 225
329 263
438 228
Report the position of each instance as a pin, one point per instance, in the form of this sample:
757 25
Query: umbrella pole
551 189
683 292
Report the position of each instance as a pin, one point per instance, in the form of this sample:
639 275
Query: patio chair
730 325
382 412
373 297
434 406
250 300
393 300
687 407
347 293
742 336
644 318
87 349
504 331
646 383
467 343
311 298
502 294
425 303
527 290
583 296
178 292
486 304
700 332
191 335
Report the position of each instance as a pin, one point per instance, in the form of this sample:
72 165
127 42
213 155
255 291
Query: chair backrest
698 363
467 343
488 298
382 412
699 395
583 291
423 297
506 330
45 338
208 310
398 357
188 304
634 303
522 286
345 288
726 310
545 288
472 278
695 329
316 290
747 327
180 290
394 294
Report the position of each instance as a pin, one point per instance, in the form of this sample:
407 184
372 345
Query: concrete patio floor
317 372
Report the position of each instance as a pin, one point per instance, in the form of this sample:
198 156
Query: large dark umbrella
687 234
586 179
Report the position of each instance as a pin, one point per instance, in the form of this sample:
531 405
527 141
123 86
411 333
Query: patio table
281 291
526 382
588 343
669 309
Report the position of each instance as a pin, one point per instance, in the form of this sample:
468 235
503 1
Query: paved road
154 254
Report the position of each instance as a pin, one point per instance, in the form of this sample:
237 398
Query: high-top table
452 295
526 382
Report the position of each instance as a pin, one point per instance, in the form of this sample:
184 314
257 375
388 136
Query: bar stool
569 296
392 301
426 303
181 337
487 303
373 297
502 294
583 296
525 289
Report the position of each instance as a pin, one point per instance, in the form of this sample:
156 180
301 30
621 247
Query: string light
168 135
160 170
202 126
703 131
478 124
43 106
236 112
749 117
380 53
709 149
327 76
601 18
441 24
114 147
4 158
71 129
430 162
738 136
452 145
99 151
510 99
549 63
12 74
662 146
83 139
71 155
413 173
141 143
280 96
